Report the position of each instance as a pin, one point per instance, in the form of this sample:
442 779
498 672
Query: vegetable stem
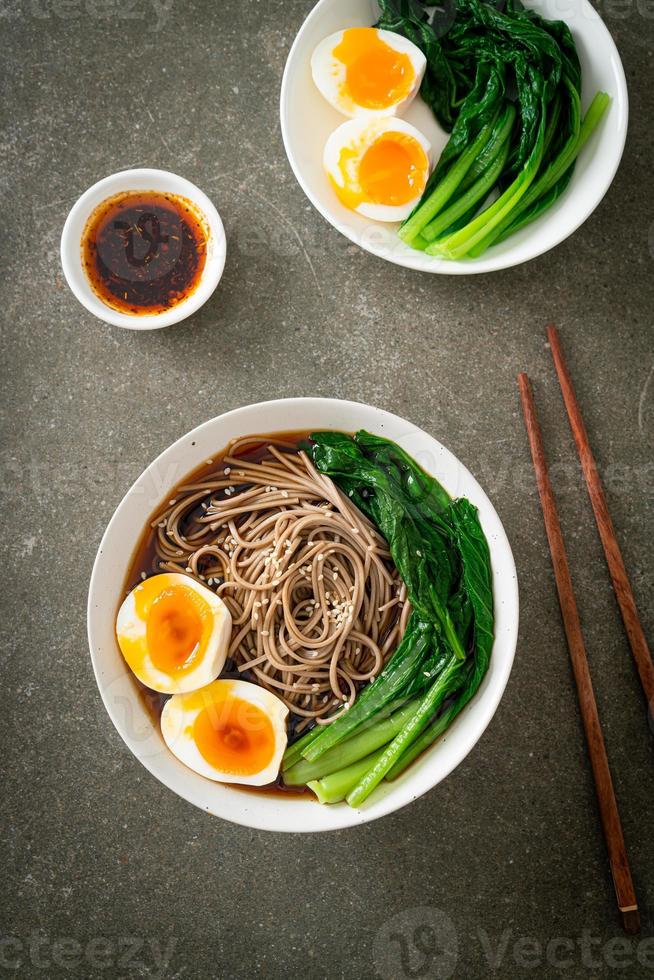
446 188
427 738
460 243
294 752
542 191
351 750
335 787
500 138
477 192
409 733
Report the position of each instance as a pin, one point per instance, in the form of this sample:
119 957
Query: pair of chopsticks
608 807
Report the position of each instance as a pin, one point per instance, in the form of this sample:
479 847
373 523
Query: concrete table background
105 872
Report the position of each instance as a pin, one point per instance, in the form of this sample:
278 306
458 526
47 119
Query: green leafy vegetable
506 84
461 680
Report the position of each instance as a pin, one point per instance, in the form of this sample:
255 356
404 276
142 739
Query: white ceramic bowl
307 120
125 707
141 180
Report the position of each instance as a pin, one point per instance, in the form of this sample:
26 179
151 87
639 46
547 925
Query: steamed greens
442 555
506 84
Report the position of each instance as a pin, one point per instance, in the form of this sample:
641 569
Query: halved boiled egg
364 71
174 633
229 731
378 167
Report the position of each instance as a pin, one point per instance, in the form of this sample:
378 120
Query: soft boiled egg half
364 71
174 633
378 167
229 731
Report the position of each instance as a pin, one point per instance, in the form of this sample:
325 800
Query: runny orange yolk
234 736
176 625
376 75
392 170
173 630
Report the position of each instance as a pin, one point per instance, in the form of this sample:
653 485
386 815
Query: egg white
178 718
329 71
359 134
130 626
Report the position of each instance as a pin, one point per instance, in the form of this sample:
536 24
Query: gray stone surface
105 871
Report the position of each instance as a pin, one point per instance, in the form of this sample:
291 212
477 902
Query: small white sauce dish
141 180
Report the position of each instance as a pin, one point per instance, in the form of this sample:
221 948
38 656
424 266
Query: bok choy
506 84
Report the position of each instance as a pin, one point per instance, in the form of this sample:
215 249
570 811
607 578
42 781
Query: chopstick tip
630 920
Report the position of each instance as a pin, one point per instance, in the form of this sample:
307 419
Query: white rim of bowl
475 266
70 250
345 816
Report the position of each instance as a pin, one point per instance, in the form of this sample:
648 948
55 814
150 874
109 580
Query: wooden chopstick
621 584
608 807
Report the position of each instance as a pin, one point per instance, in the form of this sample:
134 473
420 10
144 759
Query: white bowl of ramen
126 706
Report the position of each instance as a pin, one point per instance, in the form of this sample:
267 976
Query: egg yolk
376 75
176 627
234 736
392 170
173 631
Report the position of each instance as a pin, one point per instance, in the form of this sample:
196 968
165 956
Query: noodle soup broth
317 604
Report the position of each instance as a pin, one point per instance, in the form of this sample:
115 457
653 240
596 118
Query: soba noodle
316 602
